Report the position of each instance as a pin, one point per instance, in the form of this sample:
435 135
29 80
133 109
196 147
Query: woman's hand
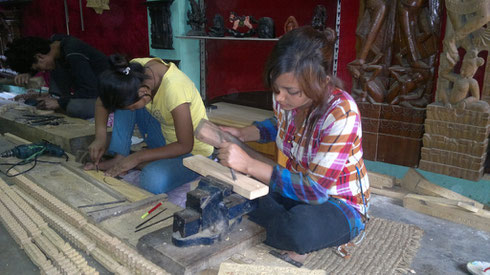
233 156
123 166
233 131
48 103
97 149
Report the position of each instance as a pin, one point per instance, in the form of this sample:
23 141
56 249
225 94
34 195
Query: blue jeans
158 176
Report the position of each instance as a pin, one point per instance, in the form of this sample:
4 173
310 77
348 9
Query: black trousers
300 227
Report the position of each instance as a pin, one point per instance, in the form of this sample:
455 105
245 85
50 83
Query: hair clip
126 71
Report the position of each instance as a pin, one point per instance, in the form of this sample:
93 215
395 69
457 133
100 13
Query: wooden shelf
227 38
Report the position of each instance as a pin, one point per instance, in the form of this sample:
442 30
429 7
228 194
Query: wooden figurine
319 18
266 28
241 25
290 24
218 28
196 19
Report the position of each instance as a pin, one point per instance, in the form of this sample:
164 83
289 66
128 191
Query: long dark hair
118 86
308 54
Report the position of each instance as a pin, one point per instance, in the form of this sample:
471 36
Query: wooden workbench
72 135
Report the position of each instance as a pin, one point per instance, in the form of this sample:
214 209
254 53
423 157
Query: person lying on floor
73 67
165 105
321 198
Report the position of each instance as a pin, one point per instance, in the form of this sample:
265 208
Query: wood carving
397 45
457 125
393 72
160 27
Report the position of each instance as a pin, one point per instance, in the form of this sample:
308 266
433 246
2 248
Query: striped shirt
327 165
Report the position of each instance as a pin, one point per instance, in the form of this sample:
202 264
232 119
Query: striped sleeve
267 129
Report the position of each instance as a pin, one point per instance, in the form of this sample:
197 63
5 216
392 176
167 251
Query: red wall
236 66
122 29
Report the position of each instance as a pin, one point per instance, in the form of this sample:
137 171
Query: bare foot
297 257
104 165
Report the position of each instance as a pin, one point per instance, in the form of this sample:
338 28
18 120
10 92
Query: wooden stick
247 187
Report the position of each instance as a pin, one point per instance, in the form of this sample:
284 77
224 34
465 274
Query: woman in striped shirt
320 199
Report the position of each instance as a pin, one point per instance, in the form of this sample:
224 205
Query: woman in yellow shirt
165 105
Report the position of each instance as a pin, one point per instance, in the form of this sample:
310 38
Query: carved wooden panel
397 50
392 134
160 27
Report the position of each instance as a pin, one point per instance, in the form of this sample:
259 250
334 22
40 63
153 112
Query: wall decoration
160 27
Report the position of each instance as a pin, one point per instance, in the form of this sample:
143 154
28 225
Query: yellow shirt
176 89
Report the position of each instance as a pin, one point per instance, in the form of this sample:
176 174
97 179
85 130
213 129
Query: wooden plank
448 212
245 186
399 195
237 115
15 139
380 181
466 205
416 183
131 192
235 269
80 172
157 246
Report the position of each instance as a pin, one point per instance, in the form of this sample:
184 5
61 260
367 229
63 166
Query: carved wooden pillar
160 27
458 123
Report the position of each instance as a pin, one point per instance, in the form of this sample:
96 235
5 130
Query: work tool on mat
26 151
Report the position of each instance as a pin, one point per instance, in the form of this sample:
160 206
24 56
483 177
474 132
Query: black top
77 70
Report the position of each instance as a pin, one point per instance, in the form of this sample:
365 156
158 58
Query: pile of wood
419 194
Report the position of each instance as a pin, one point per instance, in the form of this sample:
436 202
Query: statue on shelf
319 18
241 22
463 84
218 28
266 28
196 18
290 24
